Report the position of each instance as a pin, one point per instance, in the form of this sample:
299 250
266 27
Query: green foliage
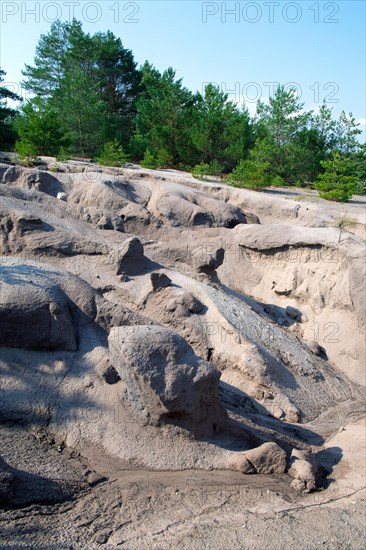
252 174
63 154
89 98
188 129
149 160
137 146
346 132
281 133
343 223
282 115
119 86
277 181
212 169
339 194
44 78
112 154
201 170
185 167
164 159
216 168
357 168
162 116
8 132
91 82
81 111
38 124
335 183
26 151
220 131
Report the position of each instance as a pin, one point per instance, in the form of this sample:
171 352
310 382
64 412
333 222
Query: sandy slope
101 469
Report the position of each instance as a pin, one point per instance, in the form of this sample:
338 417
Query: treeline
89 99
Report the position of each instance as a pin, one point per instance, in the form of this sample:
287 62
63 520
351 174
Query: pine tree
279 125
161 114
336 183
7 114
44 78
220 131
90 81
118 84
346 134
38 125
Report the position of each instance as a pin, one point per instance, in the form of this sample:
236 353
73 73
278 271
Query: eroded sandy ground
262 285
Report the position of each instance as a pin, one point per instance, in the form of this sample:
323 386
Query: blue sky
246 47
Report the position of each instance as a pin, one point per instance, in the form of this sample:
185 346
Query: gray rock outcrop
268 458
160 280
35 318
207 259
131 259
305 471
165 382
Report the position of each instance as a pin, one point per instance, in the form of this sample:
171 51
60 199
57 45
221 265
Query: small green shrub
137 147
335 184
342 223
164 159
63 154
149 160
185 167
360 187
277 181
252 174
336 195
216 168
212 169
112 154
26 152
200 171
